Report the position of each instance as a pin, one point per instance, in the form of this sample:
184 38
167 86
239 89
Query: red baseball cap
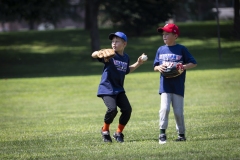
171 28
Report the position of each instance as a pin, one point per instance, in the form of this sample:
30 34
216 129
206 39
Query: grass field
49 108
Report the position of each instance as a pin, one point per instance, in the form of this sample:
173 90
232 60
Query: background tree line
132 16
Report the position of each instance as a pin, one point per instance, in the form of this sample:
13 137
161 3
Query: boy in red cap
172 89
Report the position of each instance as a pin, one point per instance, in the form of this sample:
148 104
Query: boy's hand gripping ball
144 57
106 54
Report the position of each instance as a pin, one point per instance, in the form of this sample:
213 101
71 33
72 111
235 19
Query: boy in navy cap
111 88
172 89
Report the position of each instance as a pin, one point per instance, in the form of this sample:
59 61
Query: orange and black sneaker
118 137
106 136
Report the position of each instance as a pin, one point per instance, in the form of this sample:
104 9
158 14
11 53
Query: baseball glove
106 54
173 71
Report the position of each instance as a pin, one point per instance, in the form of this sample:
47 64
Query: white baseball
144 57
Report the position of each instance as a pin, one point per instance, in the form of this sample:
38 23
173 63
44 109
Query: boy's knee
113 112
128 110
178 115
165 110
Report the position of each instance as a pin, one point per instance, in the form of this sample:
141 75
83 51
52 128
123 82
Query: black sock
162 131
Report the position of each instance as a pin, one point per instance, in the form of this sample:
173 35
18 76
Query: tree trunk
93 16
87 14
236 19
3 26
31 24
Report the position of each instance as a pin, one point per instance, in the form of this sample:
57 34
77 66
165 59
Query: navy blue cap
118 34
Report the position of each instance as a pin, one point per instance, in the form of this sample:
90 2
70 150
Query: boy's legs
122 102
163 116
164 110
125 108
110 102
178 108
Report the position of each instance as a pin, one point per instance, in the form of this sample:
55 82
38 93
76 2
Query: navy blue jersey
168 55
113 75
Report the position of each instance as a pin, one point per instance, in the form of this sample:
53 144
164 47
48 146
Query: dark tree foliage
136 16
194 10
34 11
8 10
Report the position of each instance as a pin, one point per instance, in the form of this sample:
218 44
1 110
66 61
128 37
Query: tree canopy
33 11
138 15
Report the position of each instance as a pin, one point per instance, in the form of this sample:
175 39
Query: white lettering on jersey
121 66
170 57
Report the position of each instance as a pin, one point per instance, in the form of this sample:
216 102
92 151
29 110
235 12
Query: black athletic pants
112 102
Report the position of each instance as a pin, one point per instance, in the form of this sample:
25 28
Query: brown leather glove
106 54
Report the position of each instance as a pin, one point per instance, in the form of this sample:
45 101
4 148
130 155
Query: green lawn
49 108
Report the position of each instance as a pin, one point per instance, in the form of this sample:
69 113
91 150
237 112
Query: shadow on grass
67 52
24 65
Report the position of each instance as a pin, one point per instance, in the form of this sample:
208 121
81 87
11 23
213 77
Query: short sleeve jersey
113 75
172 54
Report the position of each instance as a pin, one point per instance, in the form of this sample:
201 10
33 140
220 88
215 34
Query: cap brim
160 30
111 36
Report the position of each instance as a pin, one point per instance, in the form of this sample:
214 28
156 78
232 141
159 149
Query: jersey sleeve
100 60
187 57
156 60
128 69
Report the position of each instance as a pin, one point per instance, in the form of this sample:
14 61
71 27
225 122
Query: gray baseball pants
177 105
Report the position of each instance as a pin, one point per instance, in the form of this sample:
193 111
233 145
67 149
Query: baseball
144 57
